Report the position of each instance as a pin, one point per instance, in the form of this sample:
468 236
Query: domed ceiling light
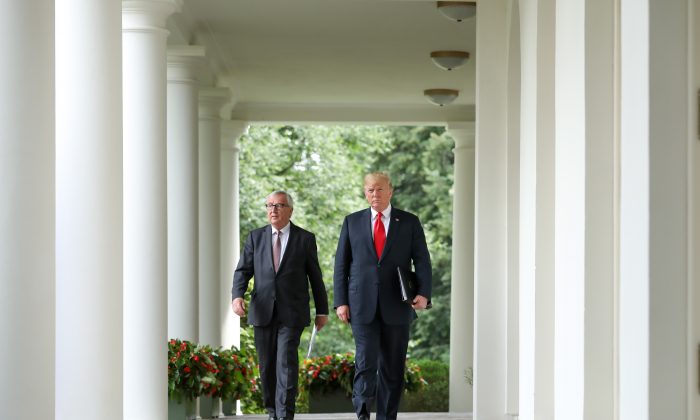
441 97
448 60
457 10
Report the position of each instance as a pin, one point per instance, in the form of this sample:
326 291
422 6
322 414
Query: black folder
408 286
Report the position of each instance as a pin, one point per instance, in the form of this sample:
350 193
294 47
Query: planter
190 409
335 401
185 410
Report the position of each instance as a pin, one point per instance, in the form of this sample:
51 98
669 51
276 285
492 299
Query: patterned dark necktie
277 251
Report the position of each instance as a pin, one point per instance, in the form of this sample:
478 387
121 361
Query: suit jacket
365 282
288 289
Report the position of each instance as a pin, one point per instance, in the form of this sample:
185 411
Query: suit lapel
367 217
267 246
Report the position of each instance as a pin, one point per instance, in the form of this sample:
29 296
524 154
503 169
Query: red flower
187 369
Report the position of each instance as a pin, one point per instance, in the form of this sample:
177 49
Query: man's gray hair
290 200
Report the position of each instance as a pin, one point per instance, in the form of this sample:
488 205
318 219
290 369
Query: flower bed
232 374
195 370
336 371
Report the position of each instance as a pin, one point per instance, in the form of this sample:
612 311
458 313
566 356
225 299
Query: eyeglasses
277 206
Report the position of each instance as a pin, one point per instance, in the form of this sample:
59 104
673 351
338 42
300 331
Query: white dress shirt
284 239
386 219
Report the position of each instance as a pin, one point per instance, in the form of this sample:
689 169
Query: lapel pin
397 219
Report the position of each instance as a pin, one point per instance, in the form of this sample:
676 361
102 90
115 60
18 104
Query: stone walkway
350 416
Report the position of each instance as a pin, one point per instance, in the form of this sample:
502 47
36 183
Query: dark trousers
277 347
380 360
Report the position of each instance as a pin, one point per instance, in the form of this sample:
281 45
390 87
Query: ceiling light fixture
441 97
448 60
457 10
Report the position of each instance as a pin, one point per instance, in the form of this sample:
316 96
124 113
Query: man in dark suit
283 260
373 243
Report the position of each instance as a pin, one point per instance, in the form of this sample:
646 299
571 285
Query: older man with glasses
283 259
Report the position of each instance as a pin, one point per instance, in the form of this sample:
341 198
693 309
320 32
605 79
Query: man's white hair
290 200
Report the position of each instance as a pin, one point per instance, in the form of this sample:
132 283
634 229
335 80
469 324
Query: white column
490 257
183 198
512 386
210 102
89 304
231 132
462 289
27 212
694 208
145 208
585 211
655 92
537 211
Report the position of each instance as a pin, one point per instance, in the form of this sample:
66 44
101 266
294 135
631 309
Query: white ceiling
331 60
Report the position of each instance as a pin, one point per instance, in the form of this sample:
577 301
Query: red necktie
379 235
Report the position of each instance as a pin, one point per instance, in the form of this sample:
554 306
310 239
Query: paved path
350 416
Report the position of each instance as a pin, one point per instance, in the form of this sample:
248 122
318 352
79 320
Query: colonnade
111 218
585 120
575 211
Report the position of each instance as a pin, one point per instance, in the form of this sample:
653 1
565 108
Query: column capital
147 15
231 132
185 62
211 100
462 133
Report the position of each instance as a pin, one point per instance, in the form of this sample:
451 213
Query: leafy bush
188 371
435 394
195 370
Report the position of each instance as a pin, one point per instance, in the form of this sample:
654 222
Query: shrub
195 370
435 394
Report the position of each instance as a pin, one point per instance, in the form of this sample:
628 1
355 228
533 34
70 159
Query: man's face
278 211
378 193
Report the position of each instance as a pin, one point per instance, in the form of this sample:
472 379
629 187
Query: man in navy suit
373 243
283 260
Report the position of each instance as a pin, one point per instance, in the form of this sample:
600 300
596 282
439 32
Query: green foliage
318 375
434 396
326 374
322 167
421 167
185 373
252 403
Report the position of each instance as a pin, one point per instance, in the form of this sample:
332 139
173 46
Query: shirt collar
285 230
385 213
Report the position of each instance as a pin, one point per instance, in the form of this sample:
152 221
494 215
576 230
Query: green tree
421 166
322 167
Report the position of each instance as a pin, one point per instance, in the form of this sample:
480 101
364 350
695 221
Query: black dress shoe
272 418
363 417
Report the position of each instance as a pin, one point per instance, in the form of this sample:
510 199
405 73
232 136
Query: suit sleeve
341 272
313 269
244 270
421 261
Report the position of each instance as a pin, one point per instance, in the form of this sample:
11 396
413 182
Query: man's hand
238 306
420 302
343 312
320 321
